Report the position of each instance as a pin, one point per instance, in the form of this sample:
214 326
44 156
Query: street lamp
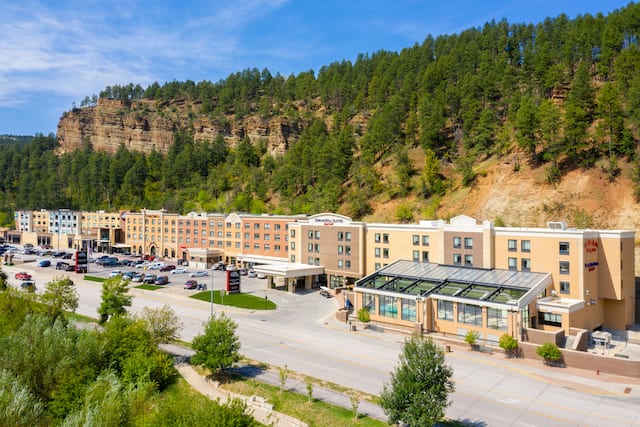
211 292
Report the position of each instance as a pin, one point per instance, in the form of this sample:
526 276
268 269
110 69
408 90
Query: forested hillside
392 135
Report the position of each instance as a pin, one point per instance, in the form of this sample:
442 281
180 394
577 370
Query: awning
289 271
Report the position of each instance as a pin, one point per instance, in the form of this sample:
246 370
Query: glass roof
408 277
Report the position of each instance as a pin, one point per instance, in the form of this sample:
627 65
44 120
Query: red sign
590 246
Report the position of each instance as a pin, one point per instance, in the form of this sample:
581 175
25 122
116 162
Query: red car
23 276
190 284
168 268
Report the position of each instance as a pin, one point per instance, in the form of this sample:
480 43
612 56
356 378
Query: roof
289 270
487 286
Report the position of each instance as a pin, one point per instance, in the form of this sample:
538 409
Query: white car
156 266
115 273
178 270
200 273
252 273
143 265
262 276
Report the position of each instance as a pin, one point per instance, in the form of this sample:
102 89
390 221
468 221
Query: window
368 302
293 233
267 226
525 245
377 266
408 310
309 234
416 239
416 256
347 250
385 238
457 242
525 264
425 256
316 248
565 287
340 235
276 227
552 319
347 236
513 263
425 240
457 259
340 249
388 306
377 252
385 253
497 318
347 264
469 314
564 248
564 267
377 238
317 234
267 247
512 245
256 226
340 264
445 310
468 242
468 260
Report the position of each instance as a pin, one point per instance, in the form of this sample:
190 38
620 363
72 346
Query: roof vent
559 225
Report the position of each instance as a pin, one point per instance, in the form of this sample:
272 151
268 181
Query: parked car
59 254
190 284
138 277
242 271
44 263
141 265
179 270
156 266
168 267
219 266
115 273
62 265
262 276
252 273
149 279
23 275
231 267
28 285
67 256
325 293
201 273
162 280
128 275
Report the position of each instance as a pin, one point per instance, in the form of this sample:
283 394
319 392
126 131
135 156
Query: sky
55 53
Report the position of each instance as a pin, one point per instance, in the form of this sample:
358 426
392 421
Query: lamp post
211 293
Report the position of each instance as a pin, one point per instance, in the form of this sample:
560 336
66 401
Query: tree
114 298
162 323
3 280
59 295
18 405
418 391
218 347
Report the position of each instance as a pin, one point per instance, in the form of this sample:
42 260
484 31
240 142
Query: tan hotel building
463 275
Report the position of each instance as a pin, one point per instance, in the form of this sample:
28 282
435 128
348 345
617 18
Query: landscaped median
247 301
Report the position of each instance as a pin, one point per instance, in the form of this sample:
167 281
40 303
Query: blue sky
54 53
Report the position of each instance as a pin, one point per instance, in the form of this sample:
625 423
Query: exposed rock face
142 126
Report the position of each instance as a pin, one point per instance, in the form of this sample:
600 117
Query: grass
94 278
314 412
237 300
148 287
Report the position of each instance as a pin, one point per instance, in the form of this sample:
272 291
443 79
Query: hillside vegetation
515 123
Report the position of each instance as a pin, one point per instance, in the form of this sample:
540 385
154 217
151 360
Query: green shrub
549 352
508 343
472 338
363 315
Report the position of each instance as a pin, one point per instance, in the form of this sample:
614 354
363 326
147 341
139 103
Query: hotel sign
590 246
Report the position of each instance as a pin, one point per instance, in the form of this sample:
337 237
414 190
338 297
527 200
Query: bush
363 315
550 353
472 338
509 344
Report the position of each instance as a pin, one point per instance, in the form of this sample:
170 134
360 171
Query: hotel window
564 248
416 239
292 258
310 247
267 247
416 256
276 237
267 237
316 248
457 259
237 234
276 227
340 235
525 245
309 234
267 226
388 306
256 246
468 260
247 225
551 319
347 250
293 233
385 253
377 252
457 242
468 242
276 248
385 238
347 264
470 314
347 236
256 226
246 236
310 260
408 309
317 233
525 264
564 267
377 266
425 240
377 238
293 245
512 245
445 310
565 287
340 264
425 256
247 245
513 263
497 318
340 249
369 302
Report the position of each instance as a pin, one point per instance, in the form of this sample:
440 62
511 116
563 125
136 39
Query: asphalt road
304 335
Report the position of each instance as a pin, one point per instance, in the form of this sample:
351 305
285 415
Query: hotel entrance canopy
289 270
515 289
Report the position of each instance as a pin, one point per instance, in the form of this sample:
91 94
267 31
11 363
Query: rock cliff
144 126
